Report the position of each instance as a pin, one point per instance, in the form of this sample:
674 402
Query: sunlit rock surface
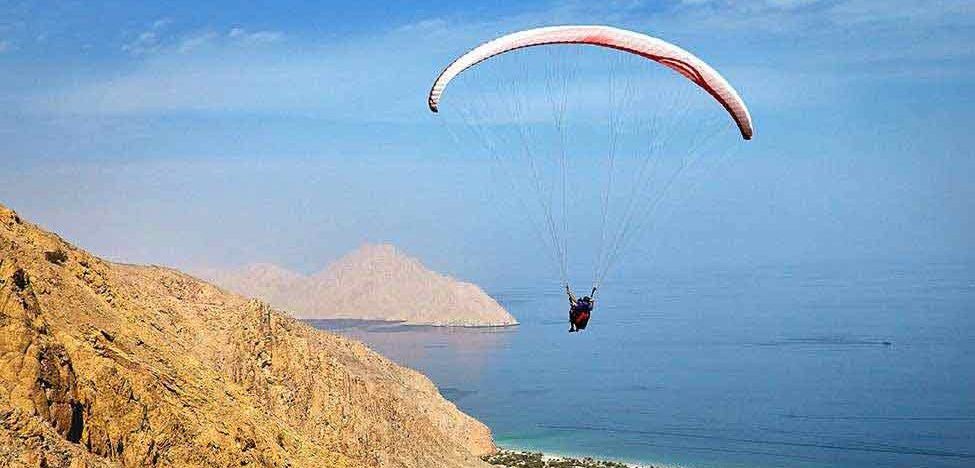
104 364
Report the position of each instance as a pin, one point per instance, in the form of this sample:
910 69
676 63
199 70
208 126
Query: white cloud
161 23
798 16
156 41
835 34
429 24
147 41
790 4
260 37
265 37
193 42
751 5
905 13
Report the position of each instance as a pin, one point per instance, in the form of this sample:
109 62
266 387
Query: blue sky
211 134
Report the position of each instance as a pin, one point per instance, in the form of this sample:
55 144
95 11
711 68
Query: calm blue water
756 367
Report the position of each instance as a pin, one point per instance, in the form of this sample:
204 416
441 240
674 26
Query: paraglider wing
649 47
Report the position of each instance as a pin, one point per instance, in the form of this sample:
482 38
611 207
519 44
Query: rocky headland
375 282
106 364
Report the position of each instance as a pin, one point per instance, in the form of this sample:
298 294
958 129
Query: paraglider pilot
579 309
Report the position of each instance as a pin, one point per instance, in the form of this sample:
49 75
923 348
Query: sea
829 365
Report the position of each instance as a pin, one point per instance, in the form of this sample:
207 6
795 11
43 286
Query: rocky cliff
104 364
376 282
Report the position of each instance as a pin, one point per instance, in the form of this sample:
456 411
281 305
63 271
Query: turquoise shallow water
832 365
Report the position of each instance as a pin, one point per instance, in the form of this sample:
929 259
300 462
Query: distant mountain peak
375 282
270 269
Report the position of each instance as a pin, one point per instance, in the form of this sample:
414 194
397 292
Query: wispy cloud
4 46
161 23
159 38
906 13
772 47
751 6
259 37
821 17
359 78
428 24
149 40
852 37
145 42
233 37
195 41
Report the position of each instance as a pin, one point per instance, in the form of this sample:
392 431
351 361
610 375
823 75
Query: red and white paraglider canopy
643 45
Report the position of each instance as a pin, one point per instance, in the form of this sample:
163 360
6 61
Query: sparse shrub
20 279
57 257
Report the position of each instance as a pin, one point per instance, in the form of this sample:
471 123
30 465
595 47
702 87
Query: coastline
521 458
345 323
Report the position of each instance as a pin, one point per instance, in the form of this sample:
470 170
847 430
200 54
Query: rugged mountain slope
104 364
375 282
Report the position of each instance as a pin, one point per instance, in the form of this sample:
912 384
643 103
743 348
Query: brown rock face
104 364
375 282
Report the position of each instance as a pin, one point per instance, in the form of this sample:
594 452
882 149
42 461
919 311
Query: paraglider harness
580 309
